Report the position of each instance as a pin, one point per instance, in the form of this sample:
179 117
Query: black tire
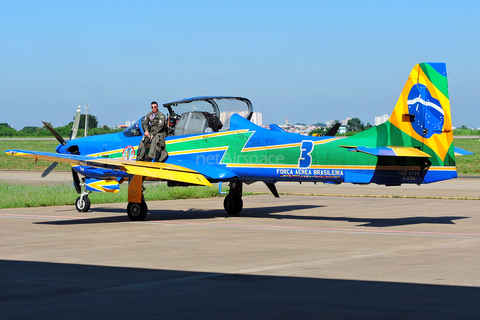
137 211
82 205
233 203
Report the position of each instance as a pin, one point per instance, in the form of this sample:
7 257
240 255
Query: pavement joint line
258 227
370 196
311 229
27 216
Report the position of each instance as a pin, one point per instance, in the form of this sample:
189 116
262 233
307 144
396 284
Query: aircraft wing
390 151
158 170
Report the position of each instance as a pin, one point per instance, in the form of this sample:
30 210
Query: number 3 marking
305 160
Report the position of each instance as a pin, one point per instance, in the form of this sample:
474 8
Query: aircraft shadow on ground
170 215
276 212
65 291
394 222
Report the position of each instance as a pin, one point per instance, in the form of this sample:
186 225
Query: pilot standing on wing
154 127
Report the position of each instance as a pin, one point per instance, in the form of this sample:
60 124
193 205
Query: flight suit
156 125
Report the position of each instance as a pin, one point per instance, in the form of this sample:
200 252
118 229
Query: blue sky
308 60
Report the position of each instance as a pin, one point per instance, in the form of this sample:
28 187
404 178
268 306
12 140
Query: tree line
353 126
356 125
31 131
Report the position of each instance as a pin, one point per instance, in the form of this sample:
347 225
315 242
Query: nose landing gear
83 202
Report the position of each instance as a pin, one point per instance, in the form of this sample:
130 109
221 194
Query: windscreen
133 130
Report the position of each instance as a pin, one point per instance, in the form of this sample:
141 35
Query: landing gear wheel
82 204
233 203
137 211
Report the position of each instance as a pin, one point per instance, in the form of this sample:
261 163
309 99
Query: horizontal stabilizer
275 127
390 151
461 152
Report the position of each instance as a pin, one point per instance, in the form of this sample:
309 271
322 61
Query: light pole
87 105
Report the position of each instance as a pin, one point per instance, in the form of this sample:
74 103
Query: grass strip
18 163
468 165
20 196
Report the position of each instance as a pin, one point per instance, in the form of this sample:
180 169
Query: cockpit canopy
200 115
205 114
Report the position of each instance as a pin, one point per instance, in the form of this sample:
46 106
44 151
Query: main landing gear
137 211
137 207
233 202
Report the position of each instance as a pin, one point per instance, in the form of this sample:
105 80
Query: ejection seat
191 123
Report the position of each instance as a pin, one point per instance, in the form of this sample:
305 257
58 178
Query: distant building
342 122
124 126
226 115
257 118
345 122
382 119
298 128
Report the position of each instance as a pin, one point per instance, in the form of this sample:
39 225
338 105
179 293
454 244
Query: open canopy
222 106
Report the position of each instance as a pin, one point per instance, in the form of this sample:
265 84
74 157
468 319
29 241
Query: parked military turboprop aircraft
414 146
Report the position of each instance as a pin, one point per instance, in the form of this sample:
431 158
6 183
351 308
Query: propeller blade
76 181
76 122
333 130
49 169
55 133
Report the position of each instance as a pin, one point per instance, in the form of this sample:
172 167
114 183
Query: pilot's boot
157 156
164 155
161 156
148 159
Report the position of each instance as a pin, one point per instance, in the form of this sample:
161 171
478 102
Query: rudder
422 114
